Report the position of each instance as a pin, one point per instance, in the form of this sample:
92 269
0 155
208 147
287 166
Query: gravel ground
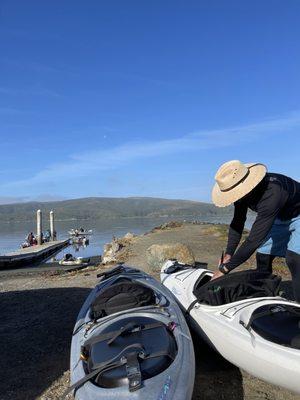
38 312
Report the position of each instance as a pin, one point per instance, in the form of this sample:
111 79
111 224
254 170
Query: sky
144 98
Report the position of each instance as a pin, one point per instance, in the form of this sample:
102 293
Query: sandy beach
38 310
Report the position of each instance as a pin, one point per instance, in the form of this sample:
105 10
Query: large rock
111 251
117 250
157 254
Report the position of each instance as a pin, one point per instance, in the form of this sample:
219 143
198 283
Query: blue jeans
283 236
283 240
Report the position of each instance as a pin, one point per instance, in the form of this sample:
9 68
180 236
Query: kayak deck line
33 254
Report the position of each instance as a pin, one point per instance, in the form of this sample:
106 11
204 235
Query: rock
111 251
157 254
116 246
168 225
129 236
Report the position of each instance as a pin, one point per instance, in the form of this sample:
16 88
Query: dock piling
39 226
52 226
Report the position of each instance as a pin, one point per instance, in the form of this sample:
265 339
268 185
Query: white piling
39 226
52 225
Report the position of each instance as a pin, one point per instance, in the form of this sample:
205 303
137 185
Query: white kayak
78 232
261 335
77 261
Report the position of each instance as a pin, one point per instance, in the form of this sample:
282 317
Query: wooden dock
32 255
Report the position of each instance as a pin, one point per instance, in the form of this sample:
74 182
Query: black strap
131 327
81 326
128 328
116 271
191 306
107 274
118 361
133 371
109 364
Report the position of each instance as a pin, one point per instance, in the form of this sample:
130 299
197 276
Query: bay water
13 234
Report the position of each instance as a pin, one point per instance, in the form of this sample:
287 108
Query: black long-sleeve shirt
277 196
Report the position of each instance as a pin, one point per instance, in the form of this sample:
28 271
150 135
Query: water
13 234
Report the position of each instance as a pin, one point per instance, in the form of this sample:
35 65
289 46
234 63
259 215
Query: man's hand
225 260
217 274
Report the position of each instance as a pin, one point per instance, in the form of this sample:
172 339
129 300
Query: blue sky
140 98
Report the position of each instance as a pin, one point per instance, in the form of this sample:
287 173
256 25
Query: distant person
47 236
276 231
30 238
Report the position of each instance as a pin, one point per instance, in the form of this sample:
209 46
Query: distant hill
102 207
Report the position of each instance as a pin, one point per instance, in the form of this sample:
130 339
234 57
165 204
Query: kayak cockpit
149 344
277 323
235 287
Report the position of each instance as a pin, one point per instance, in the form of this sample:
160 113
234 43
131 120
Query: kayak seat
122 295
156 340
236 286
279 324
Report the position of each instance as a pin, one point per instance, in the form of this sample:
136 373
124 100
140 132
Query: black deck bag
121 296
238 286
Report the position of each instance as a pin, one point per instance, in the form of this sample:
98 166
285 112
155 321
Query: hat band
237 183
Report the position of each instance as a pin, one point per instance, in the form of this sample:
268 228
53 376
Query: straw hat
234 180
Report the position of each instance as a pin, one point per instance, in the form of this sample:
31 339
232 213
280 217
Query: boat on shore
70 260
258 331
131 341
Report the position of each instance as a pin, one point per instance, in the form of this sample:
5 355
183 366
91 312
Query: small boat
74 261
131 341
80 232
259 334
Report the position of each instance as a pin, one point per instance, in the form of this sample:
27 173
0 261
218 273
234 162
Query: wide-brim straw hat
234 180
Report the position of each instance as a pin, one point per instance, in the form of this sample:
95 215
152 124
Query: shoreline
39 310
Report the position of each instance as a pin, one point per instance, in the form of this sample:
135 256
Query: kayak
259 334
77 261
131 341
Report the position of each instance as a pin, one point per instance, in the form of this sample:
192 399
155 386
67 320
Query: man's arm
234 235
236 227
268 208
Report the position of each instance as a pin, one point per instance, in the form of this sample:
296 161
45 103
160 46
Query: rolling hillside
100 207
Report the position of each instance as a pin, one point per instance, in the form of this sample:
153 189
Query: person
276 230
47 236
30 238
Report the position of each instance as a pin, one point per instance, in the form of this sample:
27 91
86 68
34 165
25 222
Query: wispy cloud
82 165
29 91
